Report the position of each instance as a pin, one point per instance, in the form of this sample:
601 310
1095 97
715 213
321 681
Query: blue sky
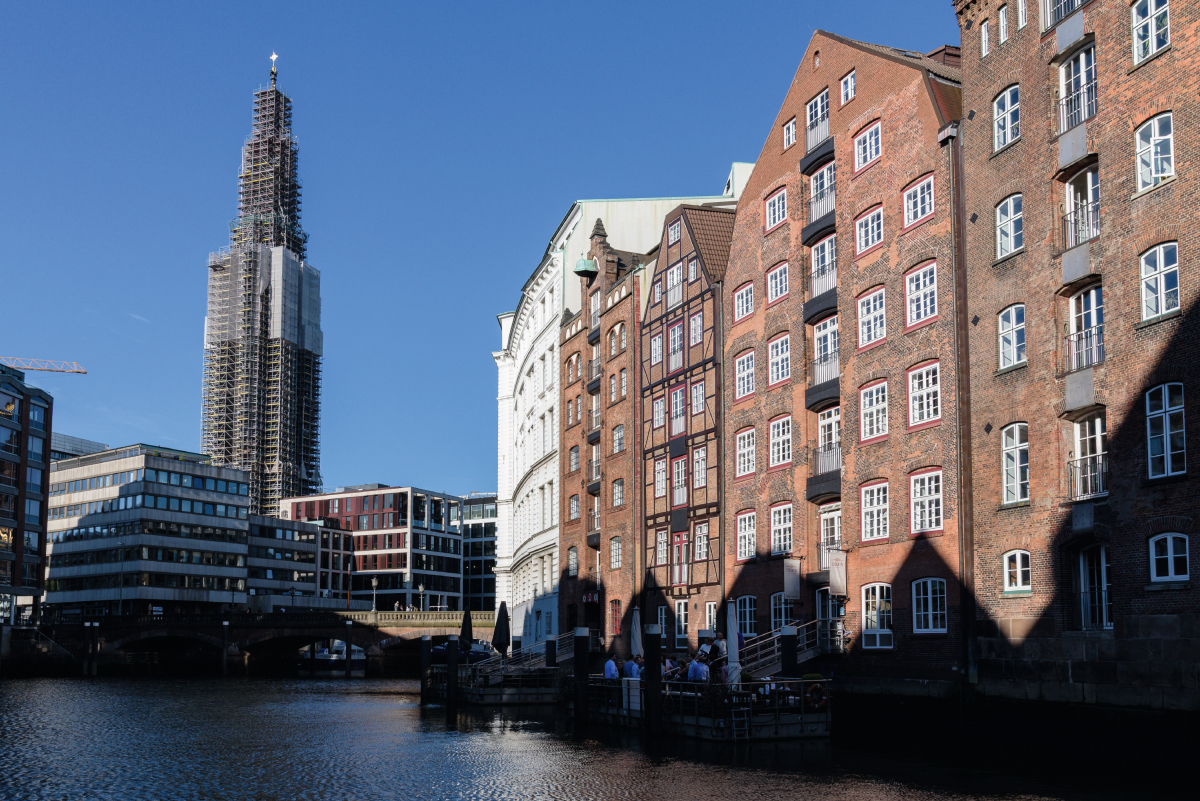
439 147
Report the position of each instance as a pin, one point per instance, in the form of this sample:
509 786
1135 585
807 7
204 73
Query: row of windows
1149 23
159 476
149 502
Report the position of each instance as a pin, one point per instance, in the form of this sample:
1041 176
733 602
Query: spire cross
273 57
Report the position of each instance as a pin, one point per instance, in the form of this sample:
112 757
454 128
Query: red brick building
858 153
599 532
681 416
1081 346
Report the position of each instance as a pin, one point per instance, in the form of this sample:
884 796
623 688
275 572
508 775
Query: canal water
312 740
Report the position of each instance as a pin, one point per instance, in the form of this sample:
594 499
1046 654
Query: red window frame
857 253
905 227
908 397
880 437
671 392
680 568
783 265
671 482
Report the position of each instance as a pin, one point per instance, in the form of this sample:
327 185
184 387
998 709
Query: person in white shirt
610 668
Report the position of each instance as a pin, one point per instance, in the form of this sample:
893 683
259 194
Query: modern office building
479 551
262 332
1078 129
396 546
63 446
26 415
600 471
529 416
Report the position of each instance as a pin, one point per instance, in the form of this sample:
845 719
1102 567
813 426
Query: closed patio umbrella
466 635
635 638
501 638
731 631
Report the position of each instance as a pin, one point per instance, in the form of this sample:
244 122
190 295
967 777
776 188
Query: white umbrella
731 637
635 637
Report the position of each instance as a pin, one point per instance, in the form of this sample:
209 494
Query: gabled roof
712 231
910 57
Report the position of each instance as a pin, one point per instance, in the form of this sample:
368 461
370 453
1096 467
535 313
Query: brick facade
1094 623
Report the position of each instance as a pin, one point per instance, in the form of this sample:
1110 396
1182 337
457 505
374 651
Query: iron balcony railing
825 368
1095 610
1076 107
1060 10
822 280
1082 224
816 132
674 295
679 498
593 420
593 471
1085 348
593 520
825 552
595 369
827 459
822 202
1088 477
674 360
595 321
678 424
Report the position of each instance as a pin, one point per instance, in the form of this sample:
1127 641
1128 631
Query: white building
527 569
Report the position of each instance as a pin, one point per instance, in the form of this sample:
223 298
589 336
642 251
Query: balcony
1076 107
824 368
823 389
824 552
822 203
593 470
674 295
592 427
679 495
816 132
1088 477
595 369
1060 10
1081 225
825 483
675 360
827 459
1085 348
593 521
822 280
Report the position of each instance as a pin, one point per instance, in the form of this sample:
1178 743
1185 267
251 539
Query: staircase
763 656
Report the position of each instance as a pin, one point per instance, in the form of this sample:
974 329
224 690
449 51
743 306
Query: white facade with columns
528 415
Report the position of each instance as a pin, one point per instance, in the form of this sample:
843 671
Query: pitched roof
916 59
712 231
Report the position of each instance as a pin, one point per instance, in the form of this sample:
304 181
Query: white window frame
660 478
662 554
675 347
744 371
747 541
877 616
781 528
1011 344
777 283
1022 14
776 209
781 441
614 553
679 482
789 133
868 230
659 413
1149 23
681 620
918 202
700 551
1171 540
868 146
1018 571
779 352
698 397
1160 280
624 382
985 39
747 615
674 231
824 254
1010 225
1014 462
743 302
925 394
656 349
693 269
875 511
745 452
618 438
921 288
1166 431
700 467
848 87
1006 117
1153 166
925 500
872 318
929 606
696 329
1002 28
873 412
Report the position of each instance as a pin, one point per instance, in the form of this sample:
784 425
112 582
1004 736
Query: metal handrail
822 280
827 459
816 132
822 203
1085 348
594 471
824 368
1088 476
595 369
593 419
1078 106
1082 224
593 521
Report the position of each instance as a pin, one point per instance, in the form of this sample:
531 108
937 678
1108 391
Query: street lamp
374 586
421 590
120 580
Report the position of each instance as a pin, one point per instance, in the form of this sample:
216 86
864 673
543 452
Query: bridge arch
182 634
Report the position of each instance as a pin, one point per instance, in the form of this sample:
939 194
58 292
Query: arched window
1014 442
612 342
1155 151
1010 236
619 439
618 492
781 612
574 458
1165 443
747 615
929 606
1169 557
614 553
1012 335
573 512
877 615
573 561
1017 574
1160 280
1085 346
1006 116
621 328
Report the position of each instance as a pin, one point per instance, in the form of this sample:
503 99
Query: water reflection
313 739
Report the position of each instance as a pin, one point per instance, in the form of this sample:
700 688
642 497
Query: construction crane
42 364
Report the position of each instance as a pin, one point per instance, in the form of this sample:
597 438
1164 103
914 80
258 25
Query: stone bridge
249 632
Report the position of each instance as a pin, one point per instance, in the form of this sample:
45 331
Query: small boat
333 660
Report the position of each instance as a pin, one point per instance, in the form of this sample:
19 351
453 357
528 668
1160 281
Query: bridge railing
451 620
